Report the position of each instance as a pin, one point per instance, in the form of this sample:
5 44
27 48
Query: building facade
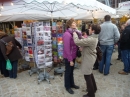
112 3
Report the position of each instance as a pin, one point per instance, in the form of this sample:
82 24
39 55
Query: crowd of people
105 35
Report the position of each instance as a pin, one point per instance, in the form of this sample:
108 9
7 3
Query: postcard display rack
18 36
43 48
28 46
57 46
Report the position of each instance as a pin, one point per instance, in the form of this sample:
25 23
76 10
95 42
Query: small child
84 35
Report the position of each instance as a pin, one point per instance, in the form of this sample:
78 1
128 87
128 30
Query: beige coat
88 53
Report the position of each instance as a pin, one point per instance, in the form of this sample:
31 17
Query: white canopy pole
52 17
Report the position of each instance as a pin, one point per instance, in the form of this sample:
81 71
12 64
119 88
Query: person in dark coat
119 50
3 70
14 56
125 49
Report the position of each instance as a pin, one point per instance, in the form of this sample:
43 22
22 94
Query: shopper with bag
4 71
8 46
89 56
69 54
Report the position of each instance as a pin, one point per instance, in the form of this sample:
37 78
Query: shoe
106 74
111 64
85 95
123 72
70 91
100 71
118 59
95 68
75 87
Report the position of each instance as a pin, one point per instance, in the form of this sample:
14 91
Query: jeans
69 78
119 51
126 60
13 72
104 65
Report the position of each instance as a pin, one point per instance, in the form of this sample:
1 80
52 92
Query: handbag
8 65
99 53
78 53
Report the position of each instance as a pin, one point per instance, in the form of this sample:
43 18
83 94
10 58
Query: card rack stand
22 62
43 49
57 33
28 48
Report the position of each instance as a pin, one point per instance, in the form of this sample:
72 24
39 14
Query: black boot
74 86
70 91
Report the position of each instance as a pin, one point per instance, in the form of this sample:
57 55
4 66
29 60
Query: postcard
40 41
49 64
47 42
29 41
46 28
39 28
39 34
47 23
28 29
48 46
26 53
26 48
41 61
24 42
48 59
17 33
30 50
41 57
24 29
29 36
27 58
30 55
40 50
28 32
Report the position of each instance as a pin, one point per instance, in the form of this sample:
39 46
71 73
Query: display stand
43 48
18 36
57 33
28 47
44 76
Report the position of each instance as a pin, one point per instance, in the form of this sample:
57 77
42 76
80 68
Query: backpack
9 46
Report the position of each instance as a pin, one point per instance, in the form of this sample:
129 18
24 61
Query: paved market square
113 85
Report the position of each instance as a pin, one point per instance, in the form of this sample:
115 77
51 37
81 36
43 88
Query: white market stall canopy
124 8
46 9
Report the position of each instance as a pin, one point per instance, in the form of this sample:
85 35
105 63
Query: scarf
71 31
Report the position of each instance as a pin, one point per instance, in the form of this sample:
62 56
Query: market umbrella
124 9
53 9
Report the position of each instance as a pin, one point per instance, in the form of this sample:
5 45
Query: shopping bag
8 65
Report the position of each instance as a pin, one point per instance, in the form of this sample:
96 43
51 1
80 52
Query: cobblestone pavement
112 85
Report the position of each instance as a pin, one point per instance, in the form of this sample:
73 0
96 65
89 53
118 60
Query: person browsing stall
89 56
69 54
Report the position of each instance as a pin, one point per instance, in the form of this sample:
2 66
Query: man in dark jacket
13 56
125 48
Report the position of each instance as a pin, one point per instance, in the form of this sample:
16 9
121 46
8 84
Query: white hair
128 22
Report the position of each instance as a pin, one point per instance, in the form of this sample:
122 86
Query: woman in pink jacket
69 54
